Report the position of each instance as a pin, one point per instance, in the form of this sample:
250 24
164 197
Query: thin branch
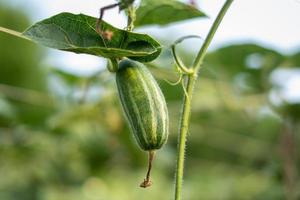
26 95
14 33
102 10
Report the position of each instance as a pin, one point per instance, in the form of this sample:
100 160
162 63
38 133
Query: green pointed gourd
144 105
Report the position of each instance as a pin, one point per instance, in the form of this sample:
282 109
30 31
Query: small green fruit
144 105
145 108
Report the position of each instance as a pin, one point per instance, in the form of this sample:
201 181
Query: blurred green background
63 136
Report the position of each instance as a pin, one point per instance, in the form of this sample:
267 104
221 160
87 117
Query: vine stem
186 106
131 17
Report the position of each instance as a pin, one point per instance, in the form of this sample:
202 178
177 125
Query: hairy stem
186 106
183 130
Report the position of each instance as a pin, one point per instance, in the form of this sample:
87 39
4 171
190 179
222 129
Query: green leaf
77 33
290 110
248 66
163 12
73 79
292 61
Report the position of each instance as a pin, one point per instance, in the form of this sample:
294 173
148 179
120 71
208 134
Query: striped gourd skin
144 104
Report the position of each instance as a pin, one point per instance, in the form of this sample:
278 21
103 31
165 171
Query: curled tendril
184 90
178 61
180 66
174 83
178 70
